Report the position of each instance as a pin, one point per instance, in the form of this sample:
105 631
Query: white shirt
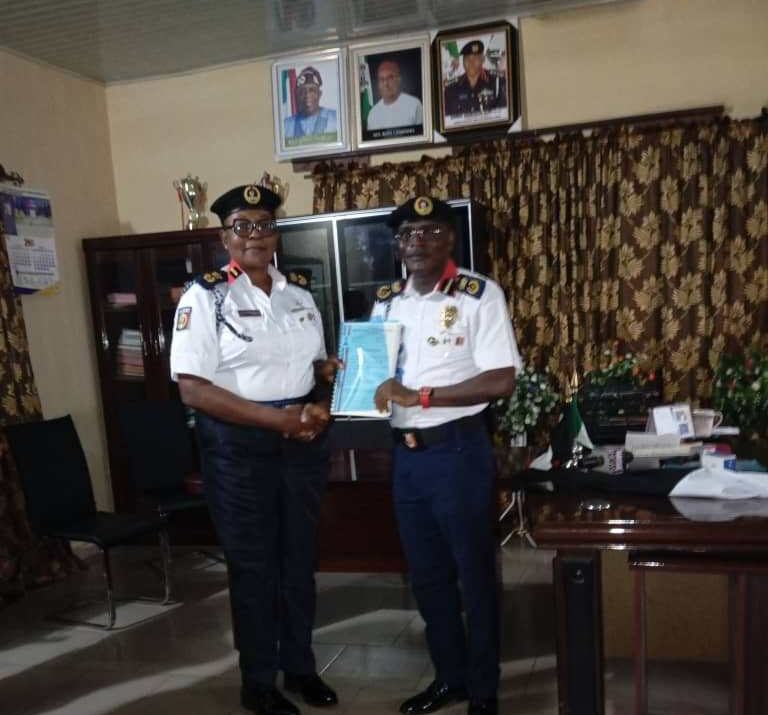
285 327
405 111
434 353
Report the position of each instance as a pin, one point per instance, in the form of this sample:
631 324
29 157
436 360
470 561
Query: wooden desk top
564 521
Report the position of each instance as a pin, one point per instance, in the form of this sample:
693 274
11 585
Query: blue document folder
369 352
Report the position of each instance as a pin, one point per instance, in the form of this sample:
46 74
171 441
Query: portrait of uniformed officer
458 354
248 355
478 89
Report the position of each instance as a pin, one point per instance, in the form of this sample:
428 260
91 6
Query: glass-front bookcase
347 256
135 282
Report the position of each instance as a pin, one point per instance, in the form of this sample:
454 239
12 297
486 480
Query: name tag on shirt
249 313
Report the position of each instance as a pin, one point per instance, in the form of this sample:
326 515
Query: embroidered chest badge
448 316
184 318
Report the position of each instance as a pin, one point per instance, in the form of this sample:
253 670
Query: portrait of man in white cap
310 118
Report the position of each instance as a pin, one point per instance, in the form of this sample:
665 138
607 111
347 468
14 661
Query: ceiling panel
115 40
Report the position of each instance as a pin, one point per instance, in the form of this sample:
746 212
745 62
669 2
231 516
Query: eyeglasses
428 233
243 227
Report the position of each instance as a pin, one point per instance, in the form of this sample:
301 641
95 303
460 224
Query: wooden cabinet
135 282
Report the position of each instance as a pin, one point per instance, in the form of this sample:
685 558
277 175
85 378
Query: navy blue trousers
264 495
443 496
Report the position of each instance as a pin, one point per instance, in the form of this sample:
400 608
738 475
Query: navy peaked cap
475 47
422 208
248 196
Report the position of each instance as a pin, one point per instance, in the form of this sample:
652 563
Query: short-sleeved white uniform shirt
448 338
260 347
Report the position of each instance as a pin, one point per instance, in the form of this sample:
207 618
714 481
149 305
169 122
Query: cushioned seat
106 529
162 457
59 498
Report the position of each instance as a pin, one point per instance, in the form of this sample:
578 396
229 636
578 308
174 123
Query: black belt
429 436
286 402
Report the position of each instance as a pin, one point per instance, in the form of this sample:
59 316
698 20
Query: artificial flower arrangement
620 368
741 392
532 401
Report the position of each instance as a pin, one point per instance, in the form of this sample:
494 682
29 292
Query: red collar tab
447 280
233 271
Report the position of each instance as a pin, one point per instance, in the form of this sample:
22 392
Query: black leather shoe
478 706
269 701
436 696
312 688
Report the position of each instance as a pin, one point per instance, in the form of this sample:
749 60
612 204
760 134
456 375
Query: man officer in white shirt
395 108
458 353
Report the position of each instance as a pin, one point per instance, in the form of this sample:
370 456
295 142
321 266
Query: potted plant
741 394
523 416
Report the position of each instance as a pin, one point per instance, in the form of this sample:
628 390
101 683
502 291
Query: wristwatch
425 393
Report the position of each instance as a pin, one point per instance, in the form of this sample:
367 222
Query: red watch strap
424 394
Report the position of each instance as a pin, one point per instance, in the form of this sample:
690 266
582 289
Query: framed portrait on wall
391 92
476 77
309 96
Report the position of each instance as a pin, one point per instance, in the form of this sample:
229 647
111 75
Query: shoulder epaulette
210 280
389 290
298 278
471 285
234 271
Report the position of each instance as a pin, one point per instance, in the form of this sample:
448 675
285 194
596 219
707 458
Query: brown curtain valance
653 237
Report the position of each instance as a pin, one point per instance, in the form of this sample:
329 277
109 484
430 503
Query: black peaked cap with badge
475 47
422 208
242 198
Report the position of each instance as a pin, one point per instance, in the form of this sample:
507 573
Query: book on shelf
118 298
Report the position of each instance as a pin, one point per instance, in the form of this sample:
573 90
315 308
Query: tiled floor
369 643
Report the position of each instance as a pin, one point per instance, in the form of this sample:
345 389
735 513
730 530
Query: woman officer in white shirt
247 347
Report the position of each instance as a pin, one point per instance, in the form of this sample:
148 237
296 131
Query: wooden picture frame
391 92
476 72
309 98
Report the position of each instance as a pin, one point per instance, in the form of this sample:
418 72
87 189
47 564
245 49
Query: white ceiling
115 40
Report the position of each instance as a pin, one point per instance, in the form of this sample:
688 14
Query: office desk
565 522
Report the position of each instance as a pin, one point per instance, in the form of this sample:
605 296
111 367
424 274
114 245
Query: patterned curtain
653 240
20 551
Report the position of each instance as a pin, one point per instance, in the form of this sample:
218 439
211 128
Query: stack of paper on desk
714 483
648 449
660 446
369 352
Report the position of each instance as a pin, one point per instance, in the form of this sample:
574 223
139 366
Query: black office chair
59 498
162 458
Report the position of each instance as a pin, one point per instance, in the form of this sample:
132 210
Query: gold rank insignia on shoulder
298 279
389 290
211 279
423 206
471 285
252 194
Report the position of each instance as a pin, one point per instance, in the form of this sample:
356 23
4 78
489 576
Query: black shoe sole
446 703
312 703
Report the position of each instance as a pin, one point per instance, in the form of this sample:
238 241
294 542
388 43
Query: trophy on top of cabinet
191 193
275 184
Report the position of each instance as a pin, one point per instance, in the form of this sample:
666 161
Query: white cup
704 421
